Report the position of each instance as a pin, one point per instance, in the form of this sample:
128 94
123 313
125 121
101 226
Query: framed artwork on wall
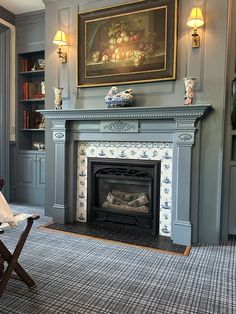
130 43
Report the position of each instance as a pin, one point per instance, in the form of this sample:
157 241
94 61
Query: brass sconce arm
62 55
195 39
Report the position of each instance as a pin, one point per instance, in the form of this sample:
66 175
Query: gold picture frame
125 44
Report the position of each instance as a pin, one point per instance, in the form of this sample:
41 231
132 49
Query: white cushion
6 214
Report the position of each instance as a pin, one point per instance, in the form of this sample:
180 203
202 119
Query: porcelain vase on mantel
189 90
58 97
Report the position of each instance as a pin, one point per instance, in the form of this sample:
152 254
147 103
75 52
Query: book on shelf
37 96
31 90
25 90
33 120
26 65
25 123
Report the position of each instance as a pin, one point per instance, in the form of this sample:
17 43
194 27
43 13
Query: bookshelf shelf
32 130
30 151
36 72
30 98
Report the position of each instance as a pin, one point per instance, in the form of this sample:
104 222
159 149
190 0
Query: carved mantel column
183 136
60 139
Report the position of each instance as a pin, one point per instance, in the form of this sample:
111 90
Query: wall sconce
60 40
195 20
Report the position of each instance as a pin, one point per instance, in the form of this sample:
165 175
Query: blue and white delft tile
165 229
129 150
144 155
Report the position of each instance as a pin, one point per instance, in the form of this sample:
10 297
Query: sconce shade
60 39
195 18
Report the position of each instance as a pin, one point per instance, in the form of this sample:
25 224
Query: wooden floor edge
186 252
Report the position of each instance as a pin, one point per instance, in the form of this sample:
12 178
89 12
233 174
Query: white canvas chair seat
6 214
8 219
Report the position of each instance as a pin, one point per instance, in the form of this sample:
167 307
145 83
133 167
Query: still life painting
131 43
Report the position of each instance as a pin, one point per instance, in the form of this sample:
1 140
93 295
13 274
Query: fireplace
126 192
66 200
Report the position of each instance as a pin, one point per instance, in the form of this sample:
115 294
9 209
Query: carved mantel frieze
119 126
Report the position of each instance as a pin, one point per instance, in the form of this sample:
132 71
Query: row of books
31 90
33 120
25 65
32 65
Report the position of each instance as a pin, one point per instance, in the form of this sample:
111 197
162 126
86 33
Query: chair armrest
34 217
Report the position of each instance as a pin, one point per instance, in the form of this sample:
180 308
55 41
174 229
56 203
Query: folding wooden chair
12 259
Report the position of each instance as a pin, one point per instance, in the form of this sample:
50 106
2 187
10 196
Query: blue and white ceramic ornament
114 98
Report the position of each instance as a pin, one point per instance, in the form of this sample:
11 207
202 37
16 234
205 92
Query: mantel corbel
59 131
186 123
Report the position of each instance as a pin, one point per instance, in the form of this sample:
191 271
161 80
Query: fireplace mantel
176 124
131 113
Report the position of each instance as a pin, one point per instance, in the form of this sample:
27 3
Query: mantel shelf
131 113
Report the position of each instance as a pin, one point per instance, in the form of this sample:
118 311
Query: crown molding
30 17
7 15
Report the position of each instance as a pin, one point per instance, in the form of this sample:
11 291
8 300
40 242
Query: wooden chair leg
12 259
17 267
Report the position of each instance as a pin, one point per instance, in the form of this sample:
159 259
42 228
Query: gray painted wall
30 32
208 64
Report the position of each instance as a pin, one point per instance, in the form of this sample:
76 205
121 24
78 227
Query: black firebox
125 192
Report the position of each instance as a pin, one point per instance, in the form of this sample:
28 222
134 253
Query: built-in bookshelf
31 90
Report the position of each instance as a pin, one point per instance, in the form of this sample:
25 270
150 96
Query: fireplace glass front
124 191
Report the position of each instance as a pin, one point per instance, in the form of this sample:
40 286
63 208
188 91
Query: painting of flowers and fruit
127 44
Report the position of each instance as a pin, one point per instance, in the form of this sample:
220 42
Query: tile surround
128 150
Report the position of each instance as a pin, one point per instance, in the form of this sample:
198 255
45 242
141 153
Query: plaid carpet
79 275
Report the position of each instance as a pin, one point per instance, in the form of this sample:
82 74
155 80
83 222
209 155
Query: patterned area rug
78 275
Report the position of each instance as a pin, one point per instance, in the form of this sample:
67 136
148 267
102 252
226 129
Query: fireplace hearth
126 192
